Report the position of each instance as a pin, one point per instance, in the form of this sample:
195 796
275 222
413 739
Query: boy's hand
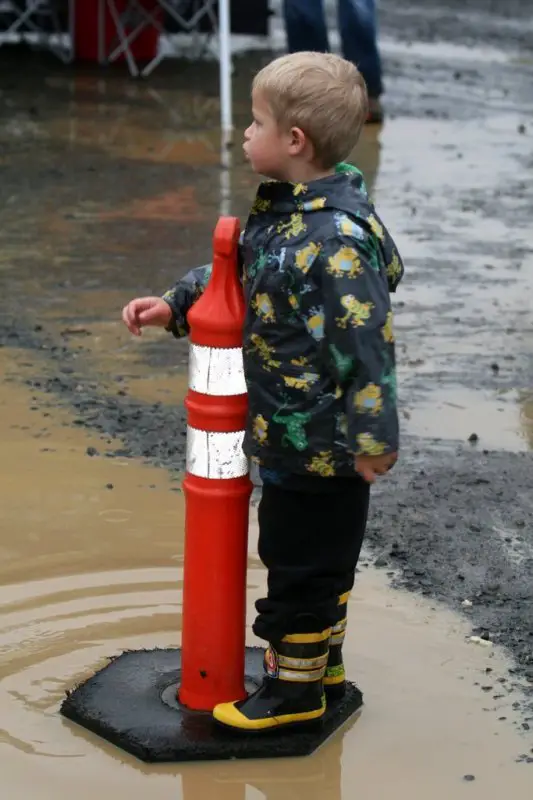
369 467
146 311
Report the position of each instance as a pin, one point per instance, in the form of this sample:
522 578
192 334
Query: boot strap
302 663
301 676
299 657
340 627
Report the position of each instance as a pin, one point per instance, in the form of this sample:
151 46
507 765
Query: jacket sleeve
187 291
358 343
183 295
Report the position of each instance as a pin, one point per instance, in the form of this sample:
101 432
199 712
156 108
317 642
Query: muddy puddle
92 564
502 419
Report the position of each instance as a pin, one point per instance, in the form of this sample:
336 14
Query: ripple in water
57 632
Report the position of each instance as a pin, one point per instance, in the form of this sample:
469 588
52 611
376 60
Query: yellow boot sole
229 716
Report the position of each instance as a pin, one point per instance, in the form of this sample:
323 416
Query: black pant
309 540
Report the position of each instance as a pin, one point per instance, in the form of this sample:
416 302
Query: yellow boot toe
229 715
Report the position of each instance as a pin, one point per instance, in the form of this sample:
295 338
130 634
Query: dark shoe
335 677
375 111
292 692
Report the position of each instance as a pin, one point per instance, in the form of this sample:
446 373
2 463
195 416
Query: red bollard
217 488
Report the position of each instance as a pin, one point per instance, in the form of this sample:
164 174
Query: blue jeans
306 30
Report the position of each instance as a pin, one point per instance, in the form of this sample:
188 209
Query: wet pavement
110 189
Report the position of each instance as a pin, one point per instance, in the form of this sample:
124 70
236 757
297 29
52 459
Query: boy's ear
298 141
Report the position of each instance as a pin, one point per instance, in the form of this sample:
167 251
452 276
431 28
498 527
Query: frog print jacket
317 269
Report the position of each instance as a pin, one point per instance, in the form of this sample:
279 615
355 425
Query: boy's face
265 146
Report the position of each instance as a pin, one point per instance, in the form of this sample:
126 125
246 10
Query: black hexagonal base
132 703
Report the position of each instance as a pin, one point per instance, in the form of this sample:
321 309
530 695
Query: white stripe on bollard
216 371
215 455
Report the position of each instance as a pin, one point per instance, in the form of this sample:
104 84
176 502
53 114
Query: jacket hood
344 192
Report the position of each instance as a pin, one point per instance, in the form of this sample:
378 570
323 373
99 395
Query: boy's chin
265 172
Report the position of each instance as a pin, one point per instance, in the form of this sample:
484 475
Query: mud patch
152 431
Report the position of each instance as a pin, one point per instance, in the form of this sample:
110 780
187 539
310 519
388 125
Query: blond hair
322 94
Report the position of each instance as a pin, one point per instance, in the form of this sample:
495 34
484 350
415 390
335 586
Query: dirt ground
111 188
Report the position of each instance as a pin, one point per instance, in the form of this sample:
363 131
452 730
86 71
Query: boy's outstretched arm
183 295
170 311
358 347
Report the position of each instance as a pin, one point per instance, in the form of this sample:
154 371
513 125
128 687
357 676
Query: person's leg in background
358 30
305 24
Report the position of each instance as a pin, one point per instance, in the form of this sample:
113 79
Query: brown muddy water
111 189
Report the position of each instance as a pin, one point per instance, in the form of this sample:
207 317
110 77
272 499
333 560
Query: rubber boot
292 692
335 677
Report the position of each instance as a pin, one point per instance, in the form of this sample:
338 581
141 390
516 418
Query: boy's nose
247 133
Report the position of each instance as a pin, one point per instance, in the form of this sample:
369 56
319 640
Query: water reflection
316 777
135 121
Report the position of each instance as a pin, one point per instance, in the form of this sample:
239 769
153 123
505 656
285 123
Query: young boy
317 268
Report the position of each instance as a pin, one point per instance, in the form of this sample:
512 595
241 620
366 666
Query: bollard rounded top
226 236
216 319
